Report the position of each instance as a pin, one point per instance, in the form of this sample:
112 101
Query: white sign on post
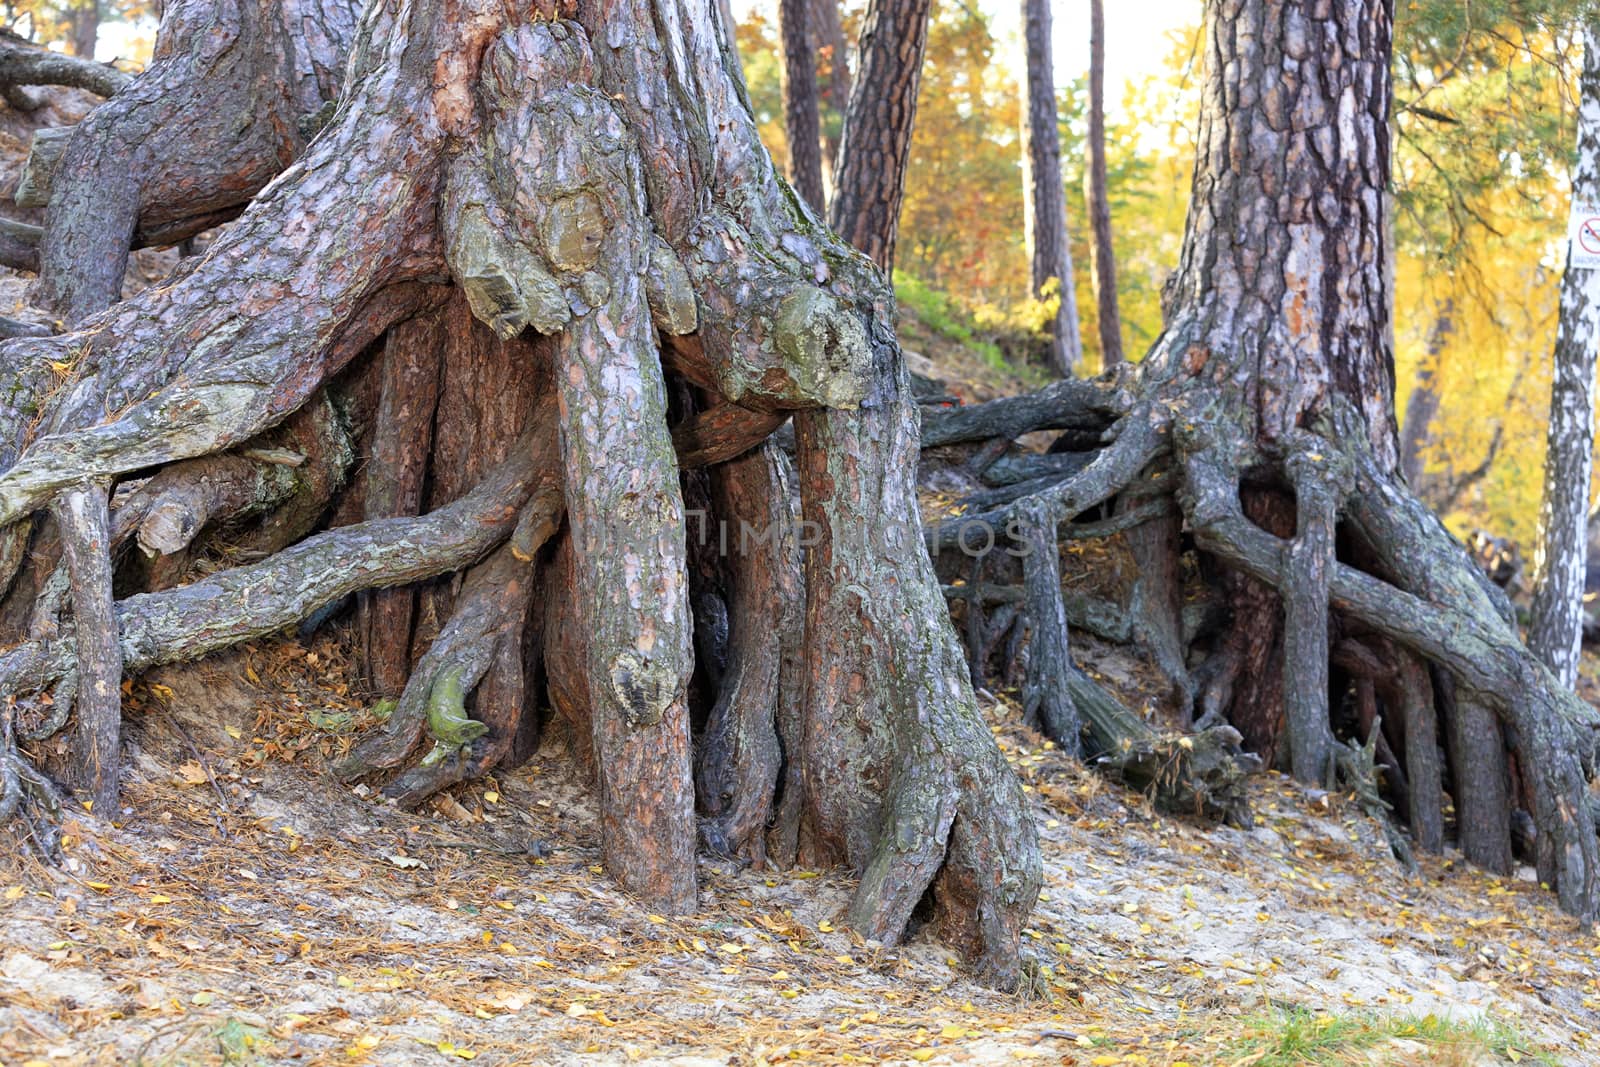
1583 236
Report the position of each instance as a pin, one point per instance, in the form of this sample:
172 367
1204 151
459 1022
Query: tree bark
1046 700
214 117
829 45
801 119
1481 779
869 182
85 23
1305 622
889 702
82 518
1555 630
1043 193
24 64
1103 261
395 473
1278 328
741 753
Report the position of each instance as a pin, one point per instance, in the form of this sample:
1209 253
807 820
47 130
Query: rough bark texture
1555 630
1481 778
869 179
1278 329
395 473
902 780
81 515
1282 266
1046 700
1044 196
25 64
1414 695
564 157
740 757
1103 262
215 116
248 602
1305 611
801 120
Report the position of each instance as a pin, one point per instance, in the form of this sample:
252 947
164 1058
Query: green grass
943 316
1296 1037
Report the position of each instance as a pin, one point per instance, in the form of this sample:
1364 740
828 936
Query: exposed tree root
737 768
212 119
479 650
1445 615
1047 701
1317 477
952 815
81 516
25 64
393 483
235 605
24 792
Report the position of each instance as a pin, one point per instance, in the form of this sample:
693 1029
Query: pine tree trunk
1555 632
800 112
1104 260
1043 193
829 46
601 183
1276 355
216 115
85 28
869 182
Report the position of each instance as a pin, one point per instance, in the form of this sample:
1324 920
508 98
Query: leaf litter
244 907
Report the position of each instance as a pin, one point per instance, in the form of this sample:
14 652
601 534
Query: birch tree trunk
1555 631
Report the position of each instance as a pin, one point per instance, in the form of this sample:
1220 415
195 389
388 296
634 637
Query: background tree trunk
1422 406
830 47
85 28
869 181
1103 262
1555 631
800 112
1044 196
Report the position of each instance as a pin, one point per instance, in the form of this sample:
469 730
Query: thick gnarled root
542 178
1439 608
740 754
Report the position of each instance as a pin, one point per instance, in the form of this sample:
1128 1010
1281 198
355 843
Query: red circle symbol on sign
1589 236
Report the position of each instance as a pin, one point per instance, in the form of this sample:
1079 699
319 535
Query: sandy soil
245 907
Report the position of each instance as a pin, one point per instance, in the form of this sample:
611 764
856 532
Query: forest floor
244 907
